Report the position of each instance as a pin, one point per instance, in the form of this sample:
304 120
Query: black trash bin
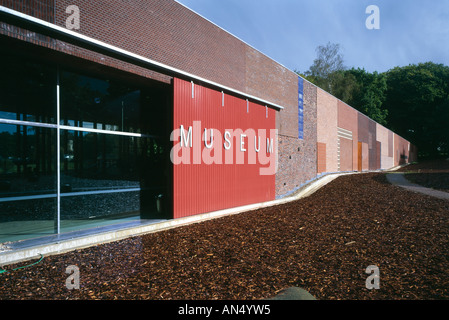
159 203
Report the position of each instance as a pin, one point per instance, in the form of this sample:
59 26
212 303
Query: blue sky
289 31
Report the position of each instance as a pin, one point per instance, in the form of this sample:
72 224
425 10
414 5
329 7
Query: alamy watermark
373 281
73 280
197 145
73 20
373 20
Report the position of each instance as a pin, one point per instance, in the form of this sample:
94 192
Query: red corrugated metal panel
218 178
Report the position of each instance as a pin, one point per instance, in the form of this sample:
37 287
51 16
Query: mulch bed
322 243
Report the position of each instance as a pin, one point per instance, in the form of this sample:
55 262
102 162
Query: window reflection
99 104
105 175
27 181
28 92
97 161
27 160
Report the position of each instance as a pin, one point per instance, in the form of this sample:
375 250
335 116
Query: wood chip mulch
322 243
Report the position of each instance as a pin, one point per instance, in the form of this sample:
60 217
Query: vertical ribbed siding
202 187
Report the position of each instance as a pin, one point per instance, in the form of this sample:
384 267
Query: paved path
399 180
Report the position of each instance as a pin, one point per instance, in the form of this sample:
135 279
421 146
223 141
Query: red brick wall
347 119
297 157
164 31
265 77
346 151
327 127
401 150
46 10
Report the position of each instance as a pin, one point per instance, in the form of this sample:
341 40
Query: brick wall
386 156
276 83
297 157
310 130
347 119
42 9
346 148
372 145
327 127
48 11
164 31
401 150
167 32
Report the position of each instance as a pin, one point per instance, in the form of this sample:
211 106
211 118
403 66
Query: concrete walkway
398 179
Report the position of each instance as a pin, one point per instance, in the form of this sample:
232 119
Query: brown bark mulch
322 243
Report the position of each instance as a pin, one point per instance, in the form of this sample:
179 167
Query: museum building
120 112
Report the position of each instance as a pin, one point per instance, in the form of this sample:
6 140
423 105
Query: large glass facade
28 190
107 135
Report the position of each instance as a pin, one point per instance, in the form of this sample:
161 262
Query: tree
369 94
412 101
324 70
344 85
417 100
362 90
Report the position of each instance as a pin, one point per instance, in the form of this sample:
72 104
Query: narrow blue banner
300 109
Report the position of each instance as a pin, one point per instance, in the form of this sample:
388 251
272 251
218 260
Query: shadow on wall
403 158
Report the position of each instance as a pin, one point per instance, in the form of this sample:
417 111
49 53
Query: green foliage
418 105
362 90
413 101
325 67
368 94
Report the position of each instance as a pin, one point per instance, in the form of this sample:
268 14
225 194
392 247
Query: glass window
104 177
28 92
99 104
27 181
